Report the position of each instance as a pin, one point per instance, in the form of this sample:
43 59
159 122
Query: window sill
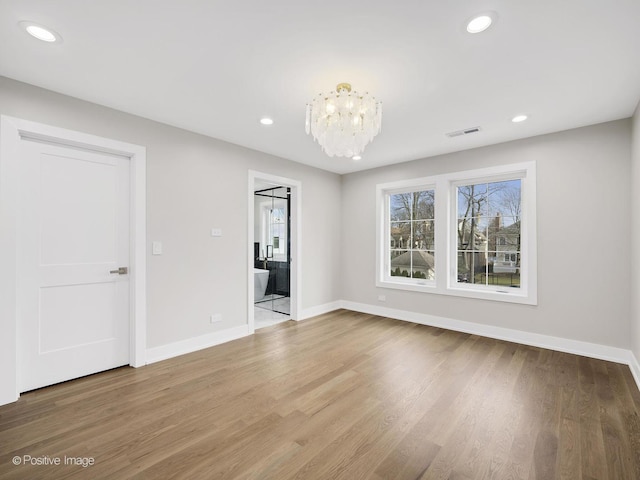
506 295
427 286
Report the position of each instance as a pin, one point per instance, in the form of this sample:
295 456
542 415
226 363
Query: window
467 233
411 235
488 225
273 229
278 231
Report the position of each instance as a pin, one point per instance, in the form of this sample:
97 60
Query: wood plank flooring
341 396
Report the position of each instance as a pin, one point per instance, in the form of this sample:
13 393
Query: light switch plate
216 232
156 248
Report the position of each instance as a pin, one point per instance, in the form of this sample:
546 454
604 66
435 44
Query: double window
468 233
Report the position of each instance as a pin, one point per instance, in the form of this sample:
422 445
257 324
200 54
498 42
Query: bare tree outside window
488 228
484 229
412 234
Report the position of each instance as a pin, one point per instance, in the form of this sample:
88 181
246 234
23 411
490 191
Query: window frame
445 231
266 232
408 283
281 255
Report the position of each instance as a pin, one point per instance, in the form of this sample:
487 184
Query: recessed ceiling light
519 118
266 121
41 32
356 157
479 24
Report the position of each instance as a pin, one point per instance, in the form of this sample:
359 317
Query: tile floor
265 317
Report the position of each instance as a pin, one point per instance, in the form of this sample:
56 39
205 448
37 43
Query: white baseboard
635 368
577 347
320 309
189 345
8 397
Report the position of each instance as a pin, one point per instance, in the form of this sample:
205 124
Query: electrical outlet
215 317
382 298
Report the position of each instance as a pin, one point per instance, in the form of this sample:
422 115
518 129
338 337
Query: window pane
505 199
412 205
504 234
423 265
400 235
400 206
472 201
504 269
411 232
472 233
505 238
400 263
504 262
423 205
510 223
277 215
463 268
423 235
495 240
472 267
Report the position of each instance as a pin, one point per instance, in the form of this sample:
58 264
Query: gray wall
584 232
635 223
195 183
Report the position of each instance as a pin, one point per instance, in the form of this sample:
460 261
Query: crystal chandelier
344 121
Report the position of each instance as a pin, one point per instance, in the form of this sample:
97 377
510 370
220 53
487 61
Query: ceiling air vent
466 131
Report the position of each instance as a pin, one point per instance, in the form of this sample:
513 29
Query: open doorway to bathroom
272 248
274 215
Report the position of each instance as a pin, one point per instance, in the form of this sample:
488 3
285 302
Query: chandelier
344 121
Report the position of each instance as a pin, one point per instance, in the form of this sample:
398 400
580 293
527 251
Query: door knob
120 271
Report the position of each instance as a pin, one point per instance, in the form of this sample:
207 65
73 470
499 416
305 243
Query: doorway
273 246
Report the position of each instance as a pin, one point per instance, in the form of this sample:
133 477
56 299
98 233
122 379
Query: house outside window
411 232
488 225
470 234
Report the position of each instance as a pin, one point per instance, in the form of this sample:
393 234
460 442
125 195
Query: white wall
195 183
635 235
583 236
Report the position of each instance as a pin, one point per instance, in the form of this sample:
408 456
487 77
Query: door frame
12 132
296 242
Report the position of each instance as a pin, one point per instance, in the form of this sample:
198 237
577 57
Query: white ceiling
215 67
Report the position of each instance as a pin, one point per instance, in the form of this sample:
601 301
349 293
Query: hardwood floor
341 396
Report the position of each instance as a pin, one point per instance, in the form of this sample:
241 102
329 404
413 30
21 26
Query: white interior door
73 232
